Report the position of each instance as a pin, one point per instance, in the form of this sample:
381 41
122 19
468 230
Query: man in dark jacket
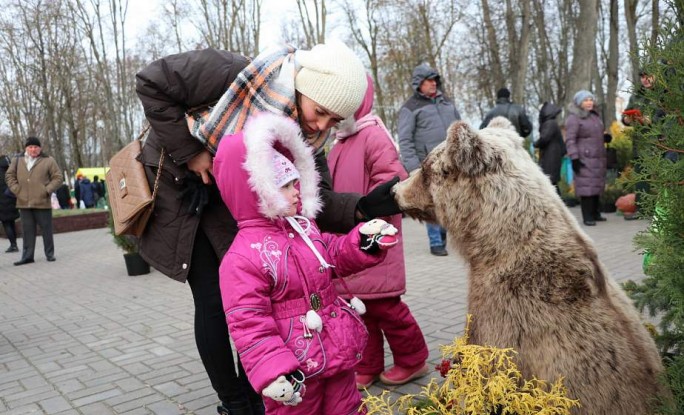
506 108
423 122
550 144
33 178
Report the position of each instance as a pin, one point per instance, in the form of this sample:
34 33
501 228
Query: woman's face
313 118
587 104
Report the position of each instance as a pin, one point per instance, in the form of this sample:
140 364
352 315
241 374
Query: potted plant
135 264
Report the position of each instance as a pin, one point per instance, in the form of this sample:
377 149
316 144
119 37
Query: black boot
13 248
240 408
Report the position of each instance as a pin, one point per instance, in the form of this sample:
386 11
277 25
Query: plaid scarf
266 84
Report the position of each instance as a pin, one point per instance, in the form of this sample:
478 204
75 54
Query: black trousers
591 209
10 231
29 219
211 329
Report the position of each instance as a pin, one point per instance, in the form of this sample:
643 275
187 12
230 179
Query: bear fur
535 281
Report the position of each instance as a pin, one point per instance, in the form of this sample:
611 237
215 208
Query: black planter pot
136 265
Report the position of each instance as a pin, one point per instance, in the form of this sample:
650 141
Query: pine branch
664 147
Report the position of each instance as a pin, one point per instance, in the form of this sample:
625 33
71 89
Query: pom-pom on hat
32 141
284 170
503 93
581 96
332 76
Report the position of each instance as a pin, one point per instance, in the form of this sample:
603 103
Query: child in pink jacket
297 340
364 156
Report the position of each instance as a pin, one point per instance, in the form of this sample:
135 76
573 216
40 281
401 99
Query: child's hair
284 170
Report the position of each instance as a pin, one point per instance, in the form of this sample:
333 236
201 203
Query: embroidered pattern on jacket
270 255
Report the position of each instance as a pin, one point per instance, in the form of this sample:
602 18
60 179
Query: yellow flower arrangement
478 380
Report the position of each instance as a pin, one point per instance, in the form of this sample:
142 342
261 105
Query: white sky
141 12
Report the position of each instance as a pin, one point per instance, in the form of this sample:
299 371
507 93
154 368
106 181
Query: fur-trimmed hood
244 173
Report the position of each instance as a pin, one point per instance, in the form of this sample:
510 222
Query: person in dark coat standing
8 206
423 122
64 196
506 108
87 192
33 178
584 139
550 144
187 237
77 190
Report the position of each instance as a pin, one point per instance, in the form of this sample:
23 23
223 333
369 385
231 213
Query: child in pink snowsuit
297 340
363 157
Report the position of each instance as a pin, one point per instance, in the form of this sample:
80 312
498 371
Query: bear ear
466 151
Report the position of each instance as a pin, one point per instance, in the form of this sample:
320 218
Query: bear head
484 188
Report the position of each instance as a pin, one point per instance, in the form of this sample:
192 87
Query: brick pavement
78 336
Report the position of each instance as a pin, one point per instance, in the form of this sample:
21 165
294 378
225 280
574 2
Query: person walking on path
513 112
293 333
87 192
317 88
363 157
8 206
423 121
584 139
33 178
550 144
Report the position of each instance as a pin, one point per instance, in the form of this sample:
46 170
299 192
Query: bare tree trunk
497 77
655 21
314 26
612 64
520 51
584 49
631 22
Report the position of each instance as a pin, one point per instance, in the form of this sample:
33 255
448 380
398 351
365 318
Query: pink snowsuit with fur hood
270 278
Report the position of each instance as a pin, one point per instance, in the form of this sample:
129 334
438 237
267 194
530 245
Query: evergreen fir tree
660 145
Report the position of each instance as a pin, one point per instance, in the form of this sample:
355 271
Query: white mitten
378 234
282 390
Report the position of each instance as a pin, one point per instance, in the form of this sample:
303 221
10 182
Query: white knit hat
284 170
332 76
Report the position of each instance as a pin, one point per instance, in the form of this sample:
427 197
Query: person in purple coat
584 139
363 157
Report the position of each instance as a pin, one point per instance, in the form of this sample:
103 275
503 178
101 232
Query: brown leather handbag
130 199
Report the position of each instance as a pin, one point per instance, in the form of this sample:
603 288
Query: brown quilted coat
167 88
34 188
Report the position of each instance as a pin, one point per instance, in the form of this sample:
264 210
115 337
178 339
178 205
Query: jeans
436 234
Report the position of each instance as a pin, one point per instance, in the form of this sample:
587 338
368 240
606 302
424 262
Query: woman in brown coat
191 229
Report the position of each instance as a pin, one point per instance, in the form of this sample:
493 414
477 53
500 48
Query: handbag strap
160 166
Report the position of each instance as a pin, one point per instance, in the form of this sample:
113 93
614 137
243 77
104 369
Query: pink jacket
363 157
270 278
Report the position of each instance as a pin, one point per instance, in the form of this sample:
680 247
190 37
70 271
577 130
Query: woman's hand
202 165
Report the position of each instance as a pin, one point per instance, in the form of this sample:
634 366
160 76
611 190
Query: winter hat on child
32 141
284 170
581 96
333 76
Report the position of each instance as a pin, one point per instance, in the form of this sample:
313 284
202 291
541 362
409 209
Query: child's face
291 193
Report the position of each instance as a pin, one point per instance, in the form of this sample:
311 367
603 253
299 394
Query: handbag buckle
123 190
